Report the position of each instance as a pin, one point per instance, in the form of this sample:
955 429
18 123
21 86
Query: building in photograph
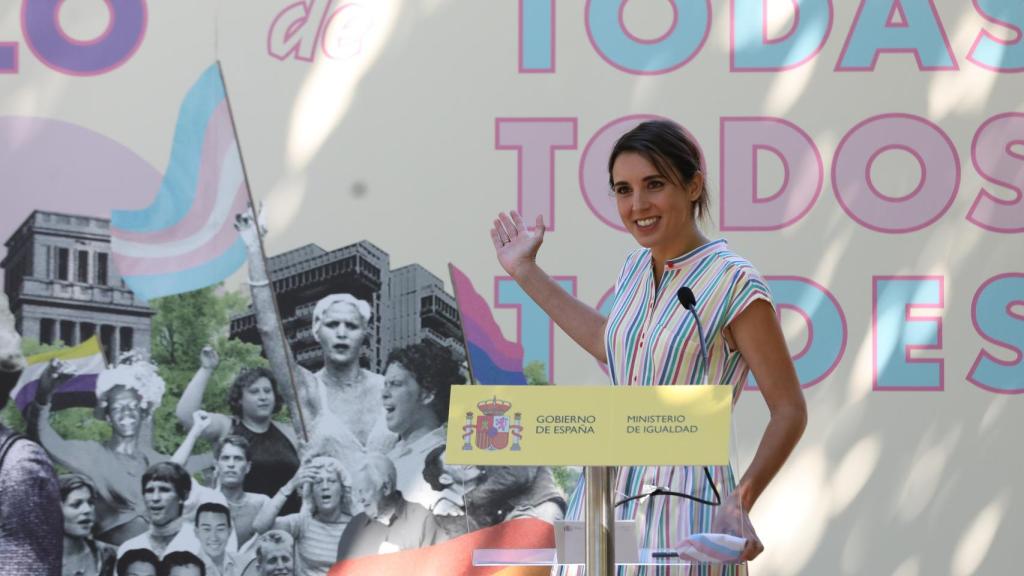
62 286
421 309
409 303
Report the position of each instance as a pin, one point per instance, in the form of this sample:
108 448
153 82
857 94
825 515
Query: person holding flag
339 407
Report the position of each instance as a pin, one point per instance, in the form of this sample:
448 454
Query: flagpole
263 254
462 325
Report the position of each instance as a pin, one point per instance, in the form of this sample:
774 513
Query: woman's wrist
745 496
524 271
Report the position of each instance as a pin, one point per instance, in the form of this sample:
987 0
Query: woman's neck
74 545
662 254
342 375
258 425
422 428
331 516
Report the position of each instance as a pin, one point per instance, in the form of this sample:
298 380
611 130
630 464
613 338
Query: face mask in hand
711 548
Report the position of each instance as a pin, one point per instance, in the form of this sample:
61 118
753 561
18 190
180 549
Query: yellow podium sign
589 425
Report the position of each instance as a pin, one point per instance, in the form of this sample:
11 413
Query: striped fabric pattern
652 340
185 238
711 548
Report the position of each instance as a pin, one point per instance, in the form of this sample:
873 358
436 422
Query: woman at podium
653 337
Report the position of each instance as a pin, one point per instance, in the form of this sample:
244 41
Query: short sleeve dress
651 340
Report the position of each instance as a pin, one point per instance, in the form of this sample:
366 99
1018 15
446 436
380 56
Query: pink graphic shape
9 55
656 39
291 33
611 62
765 37
1018 355
908 316
56 166
480 327
118 42
897 18
917 55
522 42
740 139
997 162
934 193
985 35
767 41
535 141
345 29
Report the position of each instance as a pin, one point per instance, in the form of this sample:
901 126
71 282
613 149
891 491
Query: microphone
689 301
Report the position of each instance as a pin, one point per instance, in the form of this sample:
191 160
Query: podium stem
600 521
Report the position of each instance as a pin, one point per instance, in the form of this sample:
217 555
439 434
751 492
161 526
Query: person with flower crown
127 395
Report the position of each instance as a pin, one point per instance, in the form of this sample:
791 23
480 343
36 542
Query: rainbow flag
185 239
492 359
85 361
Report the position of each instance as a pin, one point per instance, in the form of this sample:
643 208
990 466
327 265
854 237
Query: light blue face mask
708 547
712 548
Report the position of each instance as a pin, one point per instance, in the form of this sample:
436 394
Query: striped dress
650 339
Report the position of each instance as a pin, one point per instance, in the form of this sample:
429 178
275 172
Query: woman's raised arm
279 354
192 398
516 247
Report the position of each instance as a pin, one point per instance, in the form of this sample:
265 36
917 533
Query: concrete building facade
62 285
409 303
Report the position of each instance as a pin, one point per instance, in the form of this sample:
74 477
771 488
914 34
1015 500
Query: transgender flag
84 361
185 239
492 359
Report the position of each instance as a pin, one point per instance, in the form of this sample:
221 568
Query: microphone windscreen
686 297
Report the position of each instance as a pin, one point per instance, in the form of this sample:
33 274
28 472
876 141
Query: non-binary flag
84 361
185 239
492 358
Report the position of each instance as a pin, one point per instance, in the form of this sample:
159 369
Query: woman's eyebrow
644 179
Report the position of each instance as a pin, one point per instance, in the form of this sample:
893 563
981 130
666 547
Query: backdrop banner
866 156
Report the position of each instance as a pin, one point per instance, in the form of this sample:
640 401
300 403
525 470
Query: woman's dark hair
144 555
672 151
433 469
434 367
245 379
70 482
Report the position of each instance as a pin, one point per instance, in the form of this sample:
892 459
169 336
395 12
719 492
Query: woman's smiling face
656 210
